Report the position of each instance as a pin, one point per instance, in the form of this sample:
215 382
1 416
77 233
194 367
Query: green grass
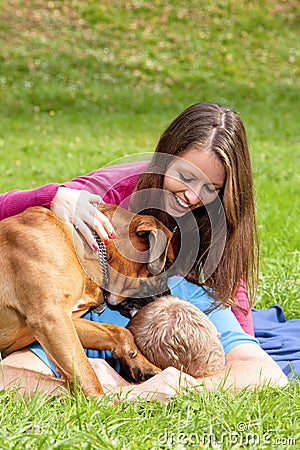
85 82
267 418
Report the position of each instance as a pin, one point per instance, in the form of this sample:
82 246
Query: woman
199 184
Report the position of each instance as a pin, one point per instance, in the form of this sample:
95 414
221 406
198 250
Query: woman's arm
112 183
16 201
73 201
73 206
244 318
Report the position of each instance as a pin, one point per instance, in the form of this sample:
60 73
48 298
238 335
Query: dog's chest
83 305
80 305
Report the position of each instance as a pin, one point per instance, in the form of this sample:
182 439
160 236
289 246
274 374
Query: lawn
83 83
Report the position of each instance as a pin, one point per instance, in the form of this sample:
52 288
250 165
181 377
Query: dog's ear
158 245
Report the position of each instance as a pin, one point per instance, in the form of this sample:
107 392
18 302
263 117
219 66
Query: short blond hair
173 332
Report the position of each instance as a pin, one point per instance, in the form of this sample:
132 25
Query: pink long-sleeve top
114 184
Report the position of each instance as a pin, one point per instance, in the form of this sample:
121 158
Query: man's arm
247 366
16 372
28 381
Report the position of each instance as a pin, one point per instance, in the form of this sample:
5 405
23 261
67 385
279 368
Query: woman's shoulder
127 169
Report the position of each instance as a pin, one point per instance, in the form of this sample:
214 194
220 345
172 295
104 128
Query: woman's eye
185 178
211 189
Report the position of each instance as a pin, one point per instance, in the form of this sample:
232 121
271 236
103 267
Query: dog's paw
137 368
138 375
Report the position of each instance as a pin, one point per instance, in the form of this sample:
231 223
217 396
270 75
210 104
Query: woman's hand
79 208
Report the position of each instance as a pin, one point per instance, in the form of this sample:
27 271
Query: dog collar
102 258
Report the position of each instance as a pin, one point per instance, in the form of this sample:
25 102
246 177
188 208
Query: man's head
173 332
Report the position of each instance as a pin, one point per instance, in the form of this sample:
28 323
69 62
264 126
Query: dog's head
137 257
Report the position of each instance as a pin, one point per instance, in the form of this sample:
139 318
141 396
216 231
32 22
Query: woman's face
193 179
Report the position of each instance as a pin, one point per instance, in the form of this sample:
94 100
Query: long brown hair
212 127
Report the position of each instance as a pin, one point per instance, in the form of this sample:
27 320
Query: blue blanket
279 337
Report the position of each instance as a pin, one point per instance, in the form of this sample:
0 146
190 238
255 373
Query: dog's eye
143 233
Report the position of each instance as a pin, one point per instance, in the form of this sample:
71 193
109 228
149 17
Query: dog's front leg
120 341
57 335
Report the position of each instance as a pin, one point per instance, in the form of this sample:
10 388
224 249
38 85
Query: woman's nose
192 198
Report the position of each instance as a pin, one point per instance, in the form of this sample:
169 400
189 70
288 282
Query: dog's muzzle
151 289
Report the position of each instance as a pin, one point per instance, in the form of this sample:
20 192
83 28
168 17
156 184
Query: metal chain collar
102 258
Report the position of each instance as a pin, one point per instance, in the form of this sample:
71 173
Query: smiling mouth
180 202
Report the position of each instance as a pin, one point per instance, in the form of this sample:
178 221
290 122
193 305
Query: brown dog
49 278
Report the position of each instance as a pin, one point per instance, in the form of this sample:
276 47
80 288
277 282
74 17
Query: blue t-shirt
231 333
